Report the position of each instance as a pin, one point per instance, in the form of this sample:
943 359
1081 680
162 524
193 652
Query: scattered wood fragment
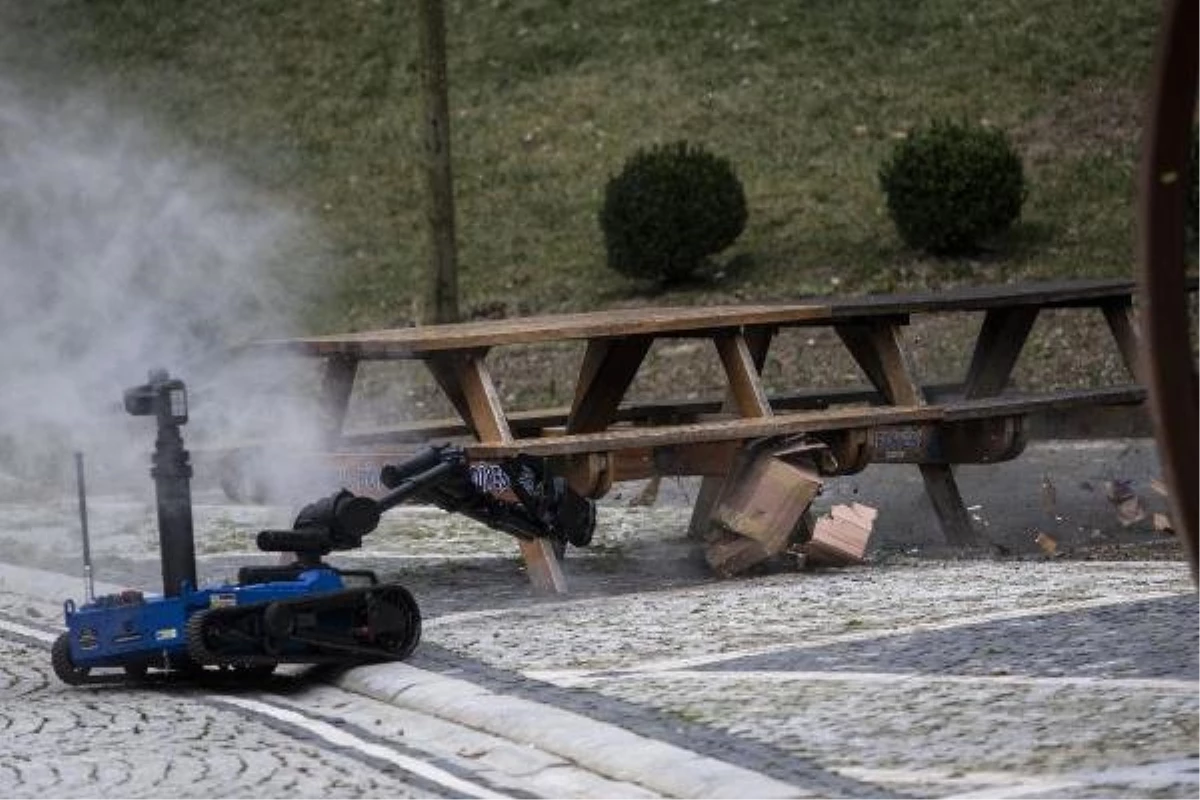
767 509
855 513
1049 495
840 538
1047 542
1127 503
649 493
729 554
1162 523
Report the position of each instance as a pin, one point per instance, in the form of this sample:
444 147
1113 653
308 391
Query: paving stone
92 742
909 676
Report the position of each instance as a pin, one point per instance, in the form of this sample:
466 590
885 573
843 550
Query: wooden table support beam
337 383
1120 321
743 356
742 370
609 366
997 348
878 350
465 379
942 490
445 372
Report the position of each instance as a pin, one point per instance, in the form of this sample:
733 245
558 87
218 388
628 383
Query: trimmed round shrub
669 209
951 185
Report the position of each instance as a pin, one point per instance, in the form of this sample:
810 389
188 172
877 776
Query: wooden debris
649 493
1158 486
1163 523
729 554
1047 542
840 538
1049 495
1125 500
761 513
855 514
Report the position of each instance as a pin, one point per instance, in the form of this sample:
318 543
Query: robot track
379 623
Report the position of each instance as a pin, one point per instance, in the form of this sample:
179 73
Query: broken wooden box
758 515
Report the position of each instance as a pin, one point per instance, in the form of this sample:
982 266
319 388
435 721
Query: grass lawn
317 103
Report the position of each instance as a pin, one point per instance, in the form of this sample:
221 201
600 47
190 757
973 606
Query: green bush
951 185
669 209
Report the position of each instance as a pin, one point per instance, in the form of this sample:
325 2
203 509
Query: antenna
89 588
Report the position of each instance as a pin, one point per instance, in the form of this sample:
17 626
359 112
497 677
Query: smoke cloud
120 252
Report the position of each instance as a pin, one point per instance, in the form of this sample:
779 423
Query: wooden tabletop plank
617 323
1050 294
701 320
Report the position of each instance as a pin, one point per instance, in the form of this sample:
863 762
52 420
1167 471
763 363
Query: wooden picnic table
617 342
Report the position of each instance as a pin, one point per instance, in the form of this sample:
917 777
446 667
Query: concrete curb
596 746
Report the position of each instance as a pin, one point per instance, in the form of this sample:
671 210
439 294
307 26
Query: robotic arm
515 496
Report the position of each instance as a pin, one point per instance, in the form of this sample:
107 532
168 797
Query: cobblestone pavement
290 736
1013 678
60 742
926 677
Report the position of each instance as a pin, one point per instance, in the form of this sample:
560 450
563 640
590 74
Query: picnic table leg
877 350
445 373
337 383
743 357
943 493
608 367
999 344
997 348
1125 332
468 384
743 368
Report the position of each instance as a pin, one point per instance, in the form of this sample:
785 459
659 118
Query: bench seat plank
623 438
532 421
715 431
1003 405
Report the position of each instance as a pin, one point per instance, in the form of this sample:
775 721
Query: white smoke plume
119 252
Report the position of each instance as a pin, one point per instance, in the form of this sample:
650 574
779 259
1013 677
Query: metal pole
172 474
441 281
90 588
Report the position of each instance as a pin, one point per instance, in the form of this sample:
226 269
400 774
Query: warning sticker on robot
163 634
222 600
